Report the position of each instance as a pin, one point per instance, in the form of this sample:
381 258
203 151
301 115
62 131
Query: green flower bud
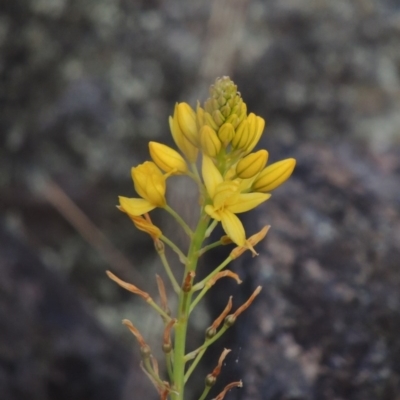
218 117
225 99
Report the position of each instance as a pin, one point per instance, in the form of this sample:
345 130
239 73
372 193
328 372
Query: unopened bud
256 127
187 122
208 120
226 133
252 164
241 137
218 117
209 141
167 159
274 175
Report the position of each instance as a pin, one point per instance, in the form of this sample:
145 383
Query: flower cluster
234 178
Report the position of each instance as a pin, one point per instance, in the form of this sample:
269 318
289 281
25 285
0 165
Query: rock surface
84 86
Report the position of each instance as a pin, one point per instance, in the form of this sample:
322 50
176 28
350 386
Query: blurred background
85 84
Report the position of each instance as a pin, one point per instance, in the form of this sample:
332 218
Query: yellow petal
149 183
210 210
247 201
167 159
146 226
139 180
226 192
274 175
250 243
211 176
135 207
233 227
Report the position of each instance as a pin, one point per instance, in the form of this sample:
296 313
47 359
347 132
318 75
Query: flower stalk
233 179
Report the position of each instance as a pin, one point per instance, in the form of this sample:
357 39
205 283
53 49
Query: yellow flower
227 201
184 145
274 175
150 184
167 159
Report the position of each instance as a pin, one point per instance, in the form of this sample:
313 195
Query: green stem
169 360
198 298
194 364
149 368
209 247
205 393
198 353
180 221
220 267
166 317
183 315
211 228
169 272
175 248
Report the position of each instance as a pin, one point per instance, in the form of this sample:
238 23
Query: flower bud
199 116
233 119
218 117
167 159
208 120
274 175
256 127
241 136
186 147
226 110
187 122
209 142
252 164
226 133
